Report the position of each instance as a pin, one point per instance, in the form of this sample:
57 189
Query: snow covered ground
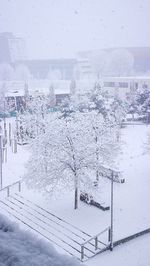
134 253
19 248
131 201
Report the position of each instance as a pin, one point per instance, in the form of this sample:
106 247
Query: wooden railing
7 188
96 242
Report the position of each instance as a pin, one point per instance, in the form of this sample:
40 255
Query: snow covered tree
142 103
103 141
59 156
119 63
98 63
33 117
98 100
51 96
118 111
3 90
72 88
67 152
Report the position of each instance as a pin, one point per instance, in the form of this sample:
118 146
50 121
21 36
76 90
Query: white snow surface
134 253
20 248
131 201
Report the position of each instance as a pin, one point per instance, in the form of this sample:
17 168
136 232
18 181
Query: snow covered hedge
20 248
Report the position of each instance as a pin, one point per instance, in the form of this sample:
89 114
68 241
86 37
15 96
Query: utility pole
111 225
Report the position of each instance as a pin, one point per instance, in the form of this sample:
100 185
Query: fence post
9 134
4 154
15 144
82 252
109 234
12 145
96 243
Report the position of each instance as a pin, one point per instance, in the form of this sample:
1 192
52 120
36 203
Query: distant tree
98 99
3 102
34 115
6 72
145 109
26 90
118 110
133 109
98 63
142 96
72 88
119 63
51 96
141 104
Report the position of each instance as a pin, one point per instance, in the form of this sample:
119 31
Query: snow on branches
68 152
70 147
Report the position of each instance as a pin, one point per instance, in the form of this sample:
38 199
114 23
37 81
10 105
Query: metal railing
7 188
96 242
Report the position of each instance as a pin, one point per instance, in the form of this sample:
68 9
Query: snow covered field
131 201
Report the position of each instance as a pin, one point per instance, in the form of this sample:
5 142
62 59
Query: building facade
12 48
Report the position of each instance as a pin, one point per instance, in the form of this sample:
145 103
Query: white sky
60 28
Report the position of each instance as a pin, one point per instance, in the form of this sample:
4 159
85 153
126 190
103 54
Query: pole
5 130
9 134
1 180
111 226
17 127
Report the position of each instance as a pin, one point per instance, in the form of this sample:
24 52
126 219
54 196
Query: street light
116 176
113 176
112 211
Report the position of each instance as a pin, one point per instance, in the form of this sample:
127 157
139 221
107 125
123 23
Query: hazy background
61 28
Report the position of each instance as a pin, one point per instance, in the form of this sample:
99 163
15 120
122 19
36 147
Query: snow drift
20 248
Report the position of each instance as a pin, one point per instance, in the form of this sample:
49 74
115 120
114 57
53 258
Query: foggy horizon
60 29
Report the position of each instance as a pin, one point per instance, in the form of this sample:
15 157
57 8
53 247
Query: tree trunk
97 175
97 159
76 195
76 199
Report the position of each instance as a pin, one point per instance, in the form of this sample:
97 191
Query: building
12 48
123 87
141 57
50 68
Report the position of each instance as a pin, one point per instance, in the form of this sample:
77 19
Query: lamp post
112 205
5 130
114 176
